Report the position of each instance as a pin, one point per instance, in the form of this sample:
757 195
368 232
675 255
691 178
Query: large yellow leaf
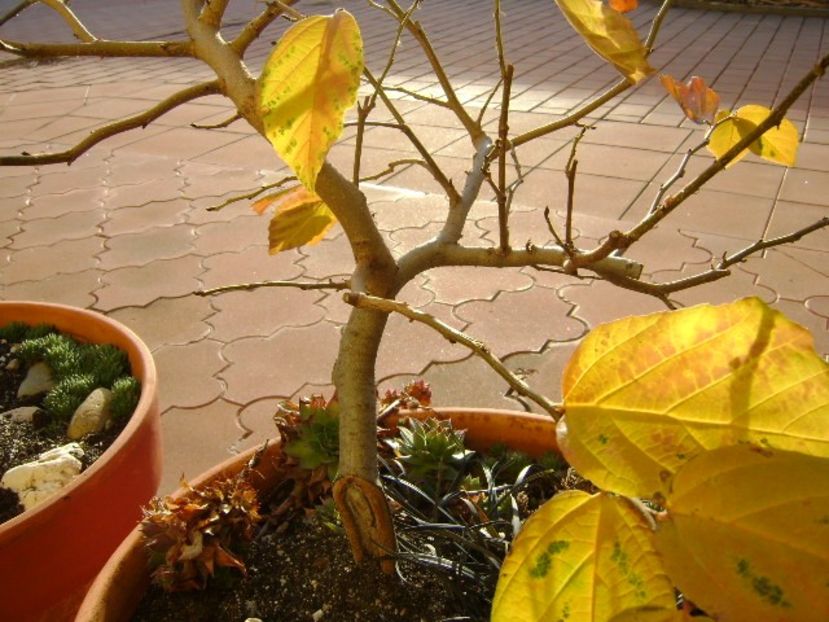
585 558
779 144
301 218
643 395
748 534
610 34
308 83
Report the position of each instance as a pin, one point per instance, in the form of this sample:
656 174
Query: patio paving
125 230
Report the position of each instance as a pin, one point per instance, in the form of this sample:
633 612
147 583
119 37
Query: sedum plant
645 446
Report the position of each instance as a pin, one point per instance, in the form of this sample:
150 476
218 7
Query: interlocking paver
70 226
252 264
40 262
52 206
187 374
169 321
140 285
137 249
70 289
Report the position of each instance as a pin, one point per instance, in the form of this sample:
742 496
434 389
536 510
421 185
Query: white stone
22 413
92 415
38 380
36 481
13 365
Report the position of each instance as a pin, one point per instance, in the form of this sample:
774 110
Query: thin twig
16 10
553 231
717 272
392 166
215 126
418 96
570 172
503 141
335 285
140 120
365 301
488 100
78 29
255 27
251 195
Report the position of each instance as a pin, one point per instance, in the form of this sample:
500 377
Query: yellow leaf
279 198
644 395
308 83
778 144
748 534
299 223
585 558
610 34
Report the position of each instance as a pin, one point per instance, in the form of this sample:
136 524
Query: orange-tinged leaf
645 394
583 557
299 224
610 34
778 144
747 535
285 199
308 83
623 6
698 101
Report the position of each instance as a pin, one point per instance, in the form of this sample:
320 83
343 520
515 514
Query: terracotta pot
49 554
121 584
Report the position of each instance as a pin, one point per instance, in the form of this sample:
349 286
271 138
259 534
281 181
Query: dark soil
22 442
307 574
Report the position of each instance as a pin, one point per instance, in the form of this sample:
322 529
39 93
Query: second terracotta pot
120 586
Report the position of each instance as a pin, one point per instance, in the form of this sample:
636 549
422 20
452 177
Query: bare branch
78 29
251 195
455 336
417 31
140 120
392 166
100 47
215 126
415 95
255 27
16 10
334 285
488 100
503 141
570 172
213 13
717 272
459 206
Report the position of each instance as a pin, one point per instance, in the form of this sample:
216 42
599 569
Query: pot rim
142 367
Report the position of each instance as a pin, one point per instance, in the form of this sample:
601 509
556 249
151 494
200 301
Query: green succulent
432 451
126 391
317 442
18 331
65 397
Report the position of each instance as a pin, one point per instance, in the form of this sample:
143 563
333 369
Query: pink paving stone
520 322
181 143
137 219
168 321
134 169
252 152
749 176
40 262
408 347
252 264
235 235
257 423
819 305
455 285
61 183
203 438
280 364
138 249
8 228
409 212
665 248
71 226
329 258
137 286
613 161
806 187
790 217
16 186
524 227
637 136
794 274
52 206
70 289
601 302
262 312
142 194
191 384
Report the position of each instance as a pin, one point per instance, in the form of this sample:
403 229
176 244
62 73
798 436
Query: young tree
298 103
